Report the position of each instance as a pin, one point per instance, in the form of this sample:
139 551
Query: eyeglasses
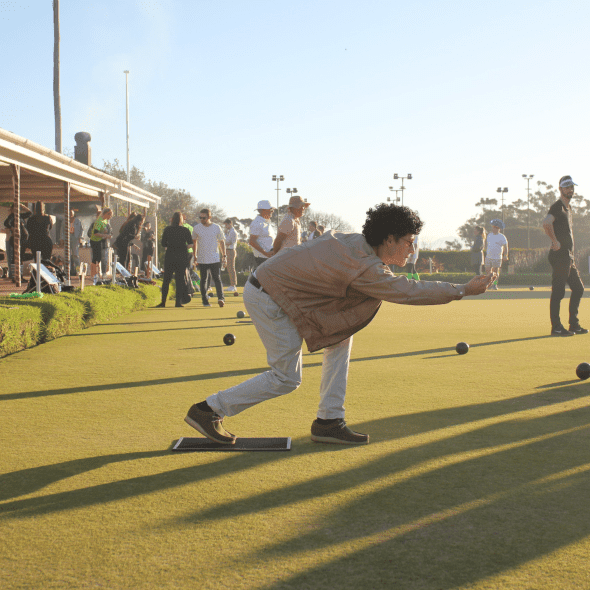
410 243
203 217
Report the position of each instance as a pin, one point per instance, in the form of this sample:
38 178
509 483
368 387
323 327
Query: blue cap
498 223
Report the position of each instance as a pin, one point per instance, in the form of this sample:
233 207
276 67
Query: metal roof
43 172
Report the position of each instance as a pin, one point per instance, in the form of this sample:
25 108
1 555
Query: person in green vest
98 232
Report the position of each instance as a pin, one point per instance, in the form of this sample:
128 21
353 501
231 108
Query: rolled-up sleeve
380 283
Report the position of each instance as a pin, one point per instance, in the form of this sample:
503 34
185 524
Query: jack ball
583 371
229 339
462 348
241 314
531 288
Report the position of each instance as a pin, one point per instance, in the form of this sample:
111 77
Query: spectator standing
38 227
558 226
312 231
261 234
231 239
412 272
99 231
25 214
148 239
496 250
176 239
477 247
76 233
190 250
208 239
127 233
289 234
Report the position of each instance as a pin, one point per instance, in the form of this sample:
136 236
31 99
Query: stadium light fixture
278 178
402 178
502 191
528 209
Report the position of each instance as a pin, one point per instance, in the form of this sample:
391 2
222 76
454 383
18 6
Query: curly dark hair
390 220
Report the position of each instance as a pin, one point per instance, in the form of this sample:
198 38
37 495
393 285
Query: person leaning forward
323 292
558 226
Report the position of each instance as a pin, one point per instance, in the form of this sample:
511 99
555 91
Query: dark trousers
564 272
176 268
208 271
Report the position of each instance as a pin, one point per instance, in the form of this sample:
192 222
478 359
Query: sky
336 95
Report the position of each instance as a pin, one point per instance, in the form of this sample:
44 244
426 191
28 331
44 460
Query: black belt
252 279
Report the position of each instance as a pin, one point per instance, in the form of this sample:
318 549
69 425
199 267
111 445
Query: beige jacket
333 286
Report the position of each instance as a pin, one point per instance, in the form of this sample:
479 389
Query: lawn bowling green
476 475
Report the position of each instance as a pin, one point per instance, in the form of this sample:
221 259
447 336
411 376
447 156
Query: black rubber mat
242 444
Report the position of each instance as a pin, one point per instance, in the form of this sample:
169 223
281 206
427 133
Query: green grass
477 474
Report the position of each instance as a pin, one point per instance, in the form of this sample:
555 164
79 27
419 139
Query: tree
328 220
172 199
519 215
453 245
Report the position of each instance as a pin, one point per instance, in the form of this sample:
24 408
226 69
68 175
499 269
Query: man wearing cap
558 226
261 234
323 292
289 234
496 250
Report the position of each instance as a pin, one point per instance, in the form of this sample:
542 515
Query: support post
16 229
67 228
38 261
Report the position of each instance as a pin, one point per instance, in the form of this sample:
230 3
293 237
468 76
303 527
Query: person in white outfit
261 233
231 239
496 250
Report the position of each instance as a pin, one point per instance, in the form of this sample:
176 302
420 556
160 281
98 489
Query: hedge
529 279
59 315
66 313
20 328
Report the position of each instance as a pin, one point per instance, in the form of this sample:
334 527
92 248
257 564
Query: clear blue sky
335 95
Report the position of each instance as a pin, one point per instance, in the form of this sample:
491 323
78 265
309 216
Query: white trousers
283 352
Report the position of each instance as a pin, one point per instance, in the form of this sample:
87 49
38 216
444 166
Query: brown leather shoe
337 433
209 424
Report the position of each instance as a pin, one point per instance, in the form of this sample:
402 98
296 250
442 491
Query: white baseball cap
264 205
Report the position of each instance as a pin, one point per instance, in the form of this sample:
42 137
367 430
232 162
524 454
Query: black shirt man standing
558 226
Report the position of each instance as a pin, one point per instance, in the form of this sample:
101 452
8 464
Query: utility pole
56 95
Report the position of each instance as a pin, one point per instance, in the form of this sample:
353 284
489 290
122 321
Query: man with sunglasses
558 226
323 292
208 239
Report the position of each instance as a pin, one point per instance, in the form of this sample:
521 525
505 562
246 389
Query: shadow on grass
451 525
184 321
28 481
91 334
224 374
486 438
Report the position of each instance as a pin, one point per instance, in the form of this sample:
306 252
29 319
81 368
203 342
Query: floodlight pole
402 178
395 190
278 178
528 209
502 191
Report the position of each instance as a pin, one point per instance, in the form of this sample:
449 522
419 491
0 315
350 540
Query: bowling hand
555 245
478 285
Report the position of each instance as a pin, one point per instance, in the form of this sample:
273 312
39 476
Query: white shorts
493 262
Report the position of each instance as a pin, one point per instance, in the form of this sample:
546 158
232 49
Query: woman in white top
230 249
413 273
496 250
